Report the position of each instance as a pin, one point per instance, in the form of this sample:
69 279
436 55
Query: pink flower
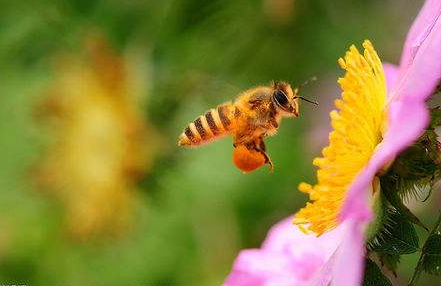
288 257
409 86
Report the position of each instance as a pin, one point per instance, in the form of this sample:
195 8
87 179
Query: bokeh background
93 95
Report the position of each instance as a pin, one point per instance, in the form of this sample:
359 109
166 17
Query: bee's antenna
307 100
296 90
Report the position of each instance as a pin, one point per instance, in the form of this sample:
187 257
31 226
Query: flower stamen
358 127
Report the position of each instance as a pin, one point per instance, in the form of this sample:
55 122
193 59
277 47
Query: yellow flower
100 142
358 127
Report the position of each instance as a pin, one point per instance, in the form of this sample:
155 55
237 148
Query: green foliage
412 174
391 194
390 261
435 115
379 207
416 169
373 275
397 237
430 259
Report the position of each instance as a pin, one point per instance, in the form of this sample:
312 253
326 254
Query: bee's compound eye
280 97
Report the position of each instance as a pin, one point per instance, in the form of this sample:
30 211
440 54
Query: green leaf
397 237
431 257
390 261
391 194
419 161
417 168
435 117
373 275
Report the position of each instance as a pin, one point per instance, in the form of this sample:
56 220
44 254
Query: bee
255 114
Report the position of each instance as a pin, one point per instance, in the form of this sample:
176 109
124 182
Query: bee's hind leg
260 146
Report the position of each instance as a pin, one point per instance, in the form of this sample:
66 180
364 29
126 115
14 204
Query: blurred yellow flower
99 145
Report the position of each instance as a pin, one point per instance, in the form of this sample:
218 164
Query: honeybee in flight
254 115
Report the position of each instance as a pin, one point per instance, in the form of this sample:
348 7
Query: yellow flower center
358 128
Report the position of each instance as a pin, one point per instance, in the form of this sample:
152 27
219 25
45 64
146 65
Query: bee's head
286 99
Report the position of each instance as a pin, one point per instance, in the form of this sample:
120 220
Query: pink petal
284 236
391 71
408 117
257 267
407 121
287 257
419 31
422 76
348 268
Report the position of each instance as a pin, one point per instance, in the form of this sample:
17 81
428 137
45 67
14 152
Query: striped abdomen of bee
214 124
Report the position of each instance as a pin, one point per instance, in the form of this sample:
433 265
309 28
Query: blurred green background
191 210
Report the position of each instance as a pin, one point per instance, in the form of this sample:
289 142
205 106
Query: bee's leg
239 139
260 146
